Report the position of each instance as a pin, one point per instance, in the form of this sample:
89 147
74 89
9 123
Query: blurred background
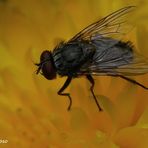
31 112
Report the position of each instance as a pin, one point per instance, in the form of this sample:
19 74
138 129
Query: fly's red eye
48 70
46 65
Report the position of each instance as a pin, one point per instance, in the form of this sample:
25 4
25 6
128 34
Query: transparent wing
114 26
129 65
138 66
105 36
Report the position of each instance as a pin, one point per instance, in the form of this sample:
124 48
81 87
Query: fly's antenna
39 67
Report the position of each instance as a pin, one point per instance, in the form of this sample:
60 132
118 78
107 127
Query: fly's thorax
70 57
66 57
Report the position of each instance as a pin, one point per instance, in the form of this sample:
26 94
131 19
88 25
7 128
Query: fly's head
46 65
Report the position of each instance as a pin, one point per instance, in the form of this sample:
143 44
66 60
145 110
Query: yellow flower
31 112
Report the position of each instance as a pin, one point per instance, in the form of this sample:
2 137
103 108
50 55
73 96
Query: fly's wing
111 57
138 66
127 65
117 60
115 25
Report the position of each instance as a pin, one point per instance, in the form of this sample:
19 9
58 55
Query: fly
96 50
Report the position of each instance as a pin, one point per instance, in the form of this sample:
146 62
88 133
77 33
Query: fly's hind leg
91 80
133 81
60 92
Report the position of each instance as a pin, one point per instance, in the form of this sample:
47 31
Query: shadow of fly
96 50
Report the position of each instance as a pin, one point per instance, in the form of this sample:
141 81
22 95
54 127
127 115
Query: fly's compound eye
46 65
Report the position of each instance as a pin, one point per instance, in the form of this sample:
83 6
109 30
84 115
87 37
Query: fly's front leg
60 92
91 80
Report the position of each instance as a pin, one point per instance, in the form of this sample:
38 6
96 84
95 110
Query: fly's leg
60 92
133 81
91 80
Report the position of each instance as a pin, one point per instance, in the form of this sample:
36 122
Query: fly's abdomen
117 55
